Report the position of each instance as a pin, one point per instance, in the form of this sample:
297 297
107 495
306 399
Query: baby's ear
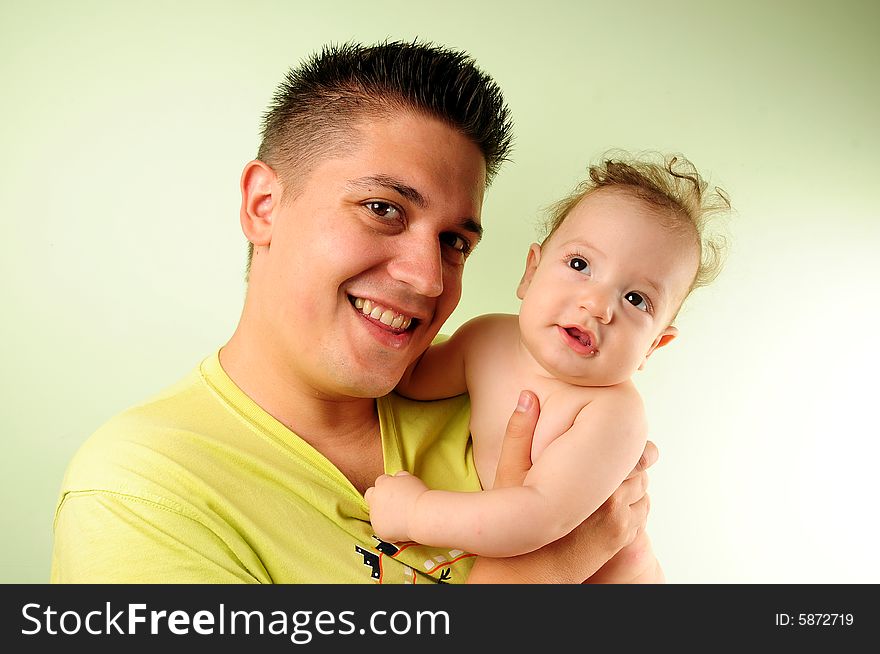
532 260
664 338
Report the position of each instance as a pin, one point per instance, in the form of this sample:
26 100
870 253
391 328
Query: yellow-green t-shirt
200 485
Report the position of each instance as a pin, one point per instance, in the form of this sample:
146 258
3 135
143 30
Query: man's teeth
383 315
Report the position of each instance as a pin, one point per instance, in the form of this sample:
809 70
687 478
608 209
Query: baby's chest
491 411
558 412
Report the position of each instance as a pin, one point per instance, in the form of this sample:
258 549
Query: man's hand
516 449
392 503
585 550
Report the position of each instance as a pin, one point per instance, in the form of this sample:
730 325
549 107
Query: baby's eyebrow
401 188
658 288
580 243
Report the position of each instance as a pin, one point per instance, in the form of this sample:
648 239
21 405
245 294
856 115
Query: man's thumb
516 451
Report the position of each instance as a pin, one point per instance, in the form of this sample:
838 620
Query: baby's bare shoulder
623 399
489 330
491 323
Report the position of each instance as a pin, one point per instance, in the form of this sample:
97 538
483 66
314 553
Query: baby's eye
637 300
383 209
580 264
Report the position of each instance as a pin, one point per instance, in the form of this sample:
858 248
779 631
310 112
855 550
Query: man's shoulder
416 417
139 438
433 439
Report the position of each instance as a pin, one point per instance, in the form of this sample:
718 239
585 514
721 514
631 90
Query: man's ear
260 197
663 339
532 260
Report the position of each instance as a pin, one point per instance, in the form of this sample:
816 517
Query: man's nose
597 300
418 263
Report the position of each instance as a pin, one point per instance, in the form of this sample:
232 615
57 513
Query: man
361 209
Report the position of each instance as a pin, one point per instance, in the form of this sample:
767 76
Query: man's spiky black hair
316 104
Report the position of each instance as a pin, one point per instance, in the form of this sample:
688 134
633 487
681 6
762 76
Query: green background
124 128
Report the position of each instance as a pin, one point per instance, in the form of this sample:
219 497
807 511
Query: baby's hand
392 501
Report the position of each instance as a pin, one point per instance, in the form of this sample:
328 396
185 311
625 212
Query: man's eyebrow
472 226
394 184
411 194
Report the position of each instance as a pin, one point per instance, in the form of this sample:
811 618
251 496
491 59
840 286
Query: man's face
383 229
599 296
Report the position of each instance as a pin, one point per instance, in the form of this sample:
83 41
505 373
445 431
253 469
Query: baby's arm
440 371
574 475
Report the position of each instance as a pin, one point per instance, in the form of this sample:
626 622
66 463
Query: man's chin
370 385
378 374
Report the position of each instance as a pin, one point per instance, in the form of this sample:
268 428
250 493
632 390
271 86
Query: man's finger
516 451
640 511
649 457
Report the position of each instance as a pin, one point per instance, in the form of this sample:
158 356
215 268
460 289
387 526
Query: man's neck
326 422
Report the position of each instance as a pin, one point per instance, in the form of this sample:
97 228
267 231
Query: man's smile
388 317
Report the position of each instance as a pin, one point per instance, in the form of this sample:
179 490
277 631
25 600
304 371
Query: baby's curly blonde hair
670 183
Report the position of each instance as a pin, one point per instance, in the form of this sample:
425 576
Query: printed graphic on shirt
411 561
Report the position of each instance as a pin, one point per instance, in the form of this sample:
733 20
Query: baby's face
599 295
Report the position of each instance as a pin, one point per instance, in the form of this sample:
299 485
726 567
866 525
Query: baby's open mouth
580 340
580 335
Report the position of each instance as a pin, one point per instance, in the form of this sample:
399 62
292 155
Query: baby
599 296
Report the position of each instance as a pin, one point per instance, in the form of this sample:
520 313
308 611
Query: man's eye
383 209
580 264
456 242
637 300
